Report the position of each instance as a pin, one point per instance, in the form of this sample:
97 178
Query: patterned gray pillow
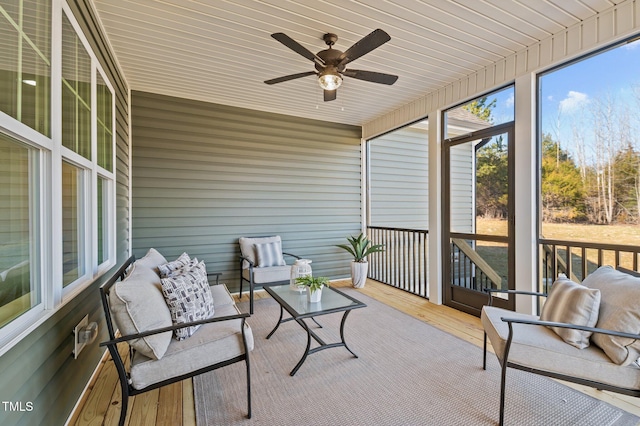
269 254
189 298
166 269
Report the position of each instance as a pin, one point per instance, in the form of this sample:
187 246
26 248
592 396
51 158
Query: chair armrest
215 274
246 259
526 293
172 328
573 326
292 255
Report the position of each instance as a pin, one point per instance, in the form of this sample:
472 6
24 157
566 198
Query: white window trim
49 181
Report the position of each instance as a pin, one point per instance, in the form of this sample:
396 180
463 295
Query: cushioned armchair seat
267 275
212 344
539 348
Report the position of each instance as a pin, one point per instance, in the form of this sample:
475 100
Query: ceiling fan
330 63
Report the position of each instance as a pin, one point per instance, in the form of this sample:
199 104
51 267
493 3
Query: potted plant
360 247
314 286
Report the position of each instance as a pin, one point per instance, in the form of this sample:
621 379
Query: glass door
478 218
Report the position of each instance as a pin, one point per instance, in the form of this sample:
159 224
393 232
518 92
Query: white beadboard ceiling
221 51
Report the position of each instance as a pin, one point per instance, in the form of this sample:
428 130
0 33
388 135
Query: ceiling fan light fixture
329 80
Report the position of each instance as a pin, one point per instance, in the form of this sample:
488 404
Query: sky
566 94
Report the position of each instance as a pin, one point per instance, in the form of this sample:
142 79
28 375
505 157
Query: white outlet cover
77 346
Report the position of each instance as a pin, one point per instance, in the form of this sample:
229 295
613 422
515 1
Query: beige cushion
212 343
248 249
221 295
151 260
619 311
572 303
137 305
271 274
540 348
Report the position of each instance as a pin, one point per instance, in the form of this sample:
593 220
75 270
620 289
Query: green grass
496 254
606 234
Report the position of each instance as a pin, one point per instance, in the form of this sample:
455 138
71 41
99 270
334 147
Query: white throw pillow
572 303
619 311
189 298
137 305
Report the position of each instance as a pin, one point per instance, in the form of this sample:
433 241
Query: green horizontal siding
40 368
206 174
398 179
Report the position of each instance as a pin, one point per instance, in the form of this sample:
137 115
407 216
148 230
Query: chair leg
248 364
484 357
251 297
503 385
123 409
248 387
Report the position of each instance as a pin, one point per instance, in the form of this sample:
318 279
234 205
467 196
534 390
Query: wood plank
113 412
170 413
145 409
100 394
188 404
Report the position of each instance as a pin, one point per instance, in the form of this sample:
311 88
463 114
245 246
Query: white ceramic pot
359 272
315 296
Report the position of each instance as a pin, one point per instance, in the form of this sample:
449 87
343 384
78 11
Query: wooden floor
173 405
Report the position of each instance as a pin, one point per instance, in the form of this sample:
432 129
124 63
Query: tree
562 187
627 183
492 179
481 109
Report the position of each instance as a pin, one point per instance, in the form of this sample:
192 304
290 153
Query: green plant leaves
359 247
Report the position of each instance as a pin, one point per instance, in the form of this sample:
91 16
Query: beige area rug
407 373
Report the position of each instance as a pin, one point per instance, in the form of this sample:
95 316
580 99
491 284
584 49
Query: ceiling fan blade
290 77
375 77
297 47
330 95
369 42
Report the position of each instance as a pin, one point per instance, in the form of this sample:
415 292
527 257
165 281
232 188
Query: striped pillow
572 303
269 254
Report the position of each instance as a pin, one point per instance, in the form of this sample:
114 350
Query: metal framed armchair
262 262
525 342
157 359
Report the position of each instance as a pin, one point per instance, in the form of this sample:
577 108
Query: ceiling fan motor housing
330 58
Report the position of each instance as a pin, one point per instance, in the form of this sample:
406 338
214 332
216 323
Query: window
590 150
57 184
19 290
76 92
589 197
25 63
105 124
72 223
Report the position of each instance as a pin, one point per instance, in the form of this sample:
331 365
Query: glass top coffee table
296 304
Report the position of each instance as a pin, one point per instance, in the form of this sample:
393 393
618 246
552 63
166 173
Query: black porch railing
404 263
469 269
578 259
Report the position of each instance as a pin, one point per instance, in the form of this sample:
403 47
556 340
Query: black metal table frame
295 316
